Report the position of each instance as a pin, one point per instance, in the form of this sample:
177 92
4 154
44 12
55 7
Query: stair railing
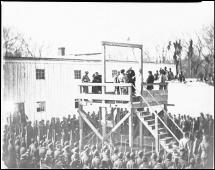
164 110
156 115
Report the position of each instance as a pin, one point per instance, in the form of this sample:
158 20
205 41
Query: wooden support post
156 135
131 129
103 122
141 134
80 128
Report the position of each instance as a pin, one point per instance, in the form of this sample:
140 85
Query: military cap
66 148
115 150
76 155
145 158
127 155
140 153
24 156
93 147
107 152
132 155
76 144
120 155
66 143
154 156
96 153
76 150
86 147
169 156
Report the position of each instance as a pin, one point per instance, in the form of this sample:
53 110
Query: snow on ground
191 98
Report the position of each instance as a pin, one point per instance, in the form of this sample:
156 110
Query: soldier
76 162
127 157
183 158
159 164
24 161
168 162
153 161
139 159
85 158
17 149
131 163
119 163
50 151
96 160
11 162
67 155
145 164
114 157
107 160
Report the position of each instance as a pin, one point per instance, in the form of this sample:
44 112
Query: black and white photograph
107 85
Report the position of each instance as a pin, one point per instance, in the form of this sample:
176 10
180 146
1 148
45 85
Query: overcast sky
82 26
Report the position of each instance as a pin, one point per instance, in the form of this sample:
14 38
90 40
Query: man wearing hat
76 162
106 158
145 163
119 163
67 155
183 158
114 157
139 159
85 79
96 160
150 79
85 158
131 163
153 161
168 162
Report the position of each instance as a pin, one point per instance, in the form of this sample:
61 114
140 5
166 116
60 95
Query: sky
82 26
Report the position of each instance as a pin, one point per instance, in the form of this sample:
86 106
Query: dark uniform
96 160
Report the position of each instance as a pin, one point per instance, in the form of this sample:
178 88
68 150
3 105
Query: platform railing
105 91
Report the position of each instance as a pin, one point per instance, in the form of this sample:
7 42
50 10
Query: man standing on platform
131 78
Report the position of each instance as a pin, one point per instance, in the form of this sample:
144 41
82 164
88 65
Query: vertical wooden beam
141 66
131 129
156 135
103 122
80 128
104 66
141 134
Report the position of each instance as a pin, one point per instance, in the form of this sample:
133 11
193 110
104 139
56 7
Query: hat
120 155
145 159
116 150
127 155
154 156
96 153
86 72
132 155
140 153
169 156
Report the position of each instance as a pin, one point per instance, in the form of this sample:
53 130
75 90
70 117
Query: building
46 87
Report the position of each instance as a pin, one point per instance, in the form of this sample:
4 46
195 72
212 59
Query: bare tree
16 44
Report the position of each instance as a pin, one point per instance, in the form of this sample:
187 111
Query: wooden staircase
166 138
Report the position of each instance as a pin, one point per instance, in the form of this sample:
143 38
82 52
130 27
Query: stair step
165 134
161 129
166 139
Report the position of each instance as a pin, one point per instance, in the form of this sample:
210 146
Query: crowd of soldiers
35 147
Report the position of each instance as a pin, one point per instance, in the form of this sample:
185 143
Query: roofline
48 59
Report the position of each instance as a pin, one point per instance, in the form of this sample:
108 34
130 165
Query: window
77 74
114 72
76 103
40 74
41 106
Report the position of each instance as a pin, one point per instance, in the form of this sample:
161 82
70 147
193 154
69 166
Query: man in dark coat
131 163
131 78
150 79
